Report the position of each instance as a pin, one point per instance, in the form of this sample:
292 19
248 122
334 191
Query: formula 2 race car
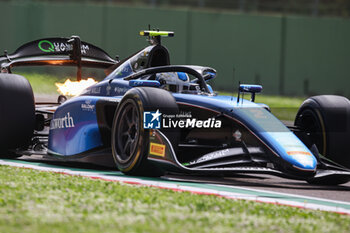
150 118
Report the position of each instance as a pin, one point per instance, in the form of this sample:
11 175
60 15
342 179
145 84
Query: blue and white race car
150 118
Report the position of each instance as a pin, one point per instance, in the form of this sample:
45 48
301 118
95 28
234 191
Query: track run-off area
240 187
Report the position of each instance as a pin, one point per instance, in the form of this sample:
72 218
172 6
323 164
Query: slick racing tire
326 121
130 141
17 113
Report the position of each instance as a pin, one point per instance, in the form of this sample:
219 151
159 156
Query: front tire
326 121
130 141
128 136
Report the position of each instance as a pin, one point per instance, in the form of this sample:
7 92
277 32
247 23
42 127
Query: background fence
290 55
299 7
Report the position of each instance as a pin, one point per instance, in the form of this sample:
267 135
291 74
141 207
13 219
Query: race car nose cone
292 150
302 160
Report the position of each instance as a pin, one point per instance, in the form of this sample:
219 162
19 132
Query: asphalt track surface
258 182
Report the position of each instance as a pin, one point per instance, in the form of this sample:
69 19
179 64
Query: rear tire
17 113
326 120
130 141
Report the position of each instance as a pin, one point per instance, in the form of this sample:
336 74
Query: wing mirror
250 89
209 75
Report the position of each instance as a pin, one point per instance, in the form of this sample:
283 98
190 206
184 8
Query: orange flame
74 88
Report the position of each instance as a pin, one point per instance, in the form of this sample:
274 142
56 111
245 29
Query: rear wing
57 51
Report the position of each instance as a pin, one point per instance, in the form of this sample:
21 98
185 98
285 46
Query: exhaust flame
74 88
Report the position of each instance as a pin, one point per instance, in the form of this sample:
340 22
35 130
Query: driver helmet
183 76
173 77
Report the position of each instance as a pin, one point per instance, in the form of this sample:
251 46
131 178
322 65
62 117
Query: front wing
233 161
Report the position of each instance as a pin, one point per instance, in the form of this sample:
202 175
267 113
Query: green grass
44 83
283 107
34 201
273 101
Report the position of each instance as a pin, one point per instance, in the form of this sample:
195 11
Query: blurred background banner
291 47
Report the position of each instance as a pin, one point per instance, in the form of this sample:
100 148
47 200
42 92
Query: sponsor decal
191 123
108 90
92 90
120 90
48 47
62 123
157 149
211 156
237 135
298 153
87 106
151 120
157 120
95 90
